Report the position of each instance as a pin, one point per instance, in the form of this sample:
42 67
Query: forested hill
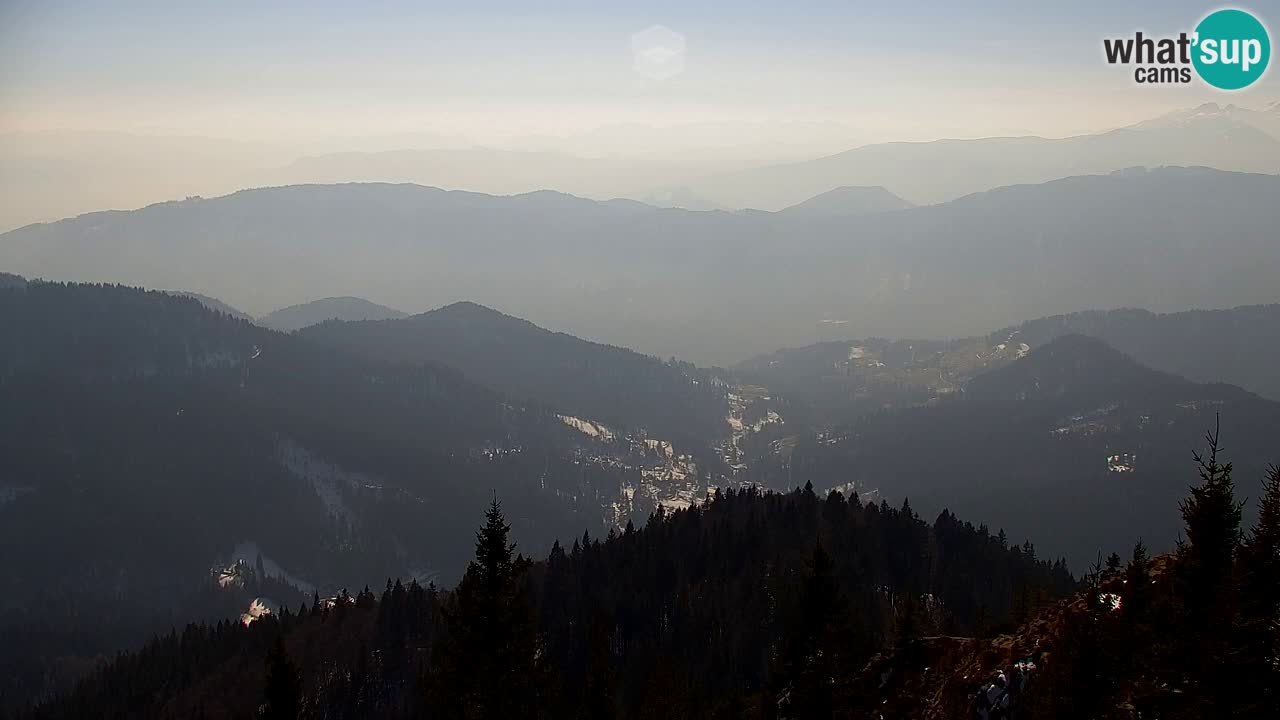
118 398
296 317
150 442
700 613
117 335
1236 346
760 607
214 304
1073 429
838 380
623 389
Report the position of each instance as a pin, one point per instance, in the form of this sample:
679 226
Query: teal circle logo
1232 49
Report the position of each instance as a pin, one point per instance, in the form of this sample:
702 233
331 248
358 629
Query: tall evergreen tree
1212 517
1260 603
489 667
1206 574
812 655
1137 584
282 696
601 678
1080 683
1113 563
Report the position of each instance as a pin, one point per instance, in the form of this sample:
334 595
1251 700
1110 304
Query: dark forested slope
699 613
149 442
838 380
1074 444
1237 346
623 389
760 606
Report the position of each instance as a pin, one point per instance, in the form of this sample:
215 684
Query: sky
326 76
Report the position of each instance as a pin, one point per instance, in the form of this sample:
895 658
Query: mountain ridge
1084 430
576 269
342 307
1217 140
851 200
600 382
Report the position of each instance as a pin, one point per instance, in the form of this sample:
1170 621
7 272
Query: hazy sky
493 72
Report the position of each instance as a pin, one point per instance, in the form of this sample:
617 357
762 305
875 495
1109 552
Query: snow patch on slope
328 479
248 552
587 427
259 608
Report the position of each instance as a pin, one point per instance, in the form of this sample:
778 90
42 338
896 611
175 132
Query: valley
856 434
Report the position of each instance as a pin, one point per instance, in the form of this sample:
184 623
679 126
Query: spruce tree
601 678
1260 604
489 665
1137 586
813 647
1212 518
1206 583
282 695
1080 680
1113 563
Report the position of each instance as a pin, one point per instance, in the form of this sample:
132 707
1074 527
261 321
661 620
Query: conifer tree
1205 576
282 696
1212 518
812 652
1137 585
601 679
489 664
1260 604
1083 682
1113 563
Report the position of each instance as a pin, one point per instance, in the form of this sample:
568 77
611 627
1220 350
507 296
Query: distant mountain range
487 170
296 317
1229 138
53 175
1266 119
850 201
680 197
1224 137
710 287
